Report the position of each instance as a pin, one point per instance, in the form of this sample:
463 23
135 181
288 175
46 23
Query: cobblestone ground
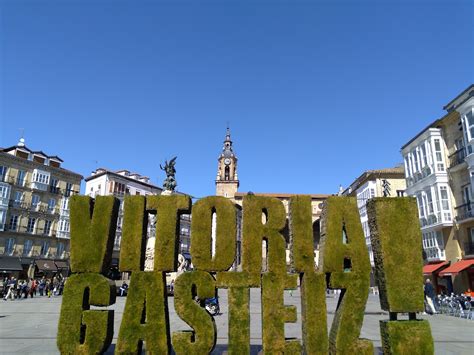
29 326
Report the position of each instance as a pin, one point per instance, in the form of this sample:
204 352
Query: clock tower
227 181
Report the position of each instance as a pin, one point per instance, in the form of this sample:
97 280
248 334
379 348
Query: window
60 250
68 189
421 207
13 223
65 204
51 204
429 199
35 200
9 246
439 156
3 214
18 197
415 160
470 124
27 247
47 227
20 178
4 189
31 225
471 236
45 248
53 186
64 225
41 177
3 173
444 198
119 188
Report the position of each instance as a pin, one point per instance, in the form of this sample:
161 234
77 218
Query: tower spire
227 181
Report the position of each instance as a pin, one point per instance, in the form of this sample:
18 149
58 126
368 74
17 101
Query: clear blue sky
315 92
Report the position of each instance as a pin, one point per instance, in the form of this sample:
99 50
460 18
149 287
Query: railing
434 253
63 234
465 211
469 248
19 205
3 201
432 218
13 180
457 157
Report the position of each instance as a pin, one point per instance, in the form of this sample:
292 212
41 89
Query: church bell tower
227 181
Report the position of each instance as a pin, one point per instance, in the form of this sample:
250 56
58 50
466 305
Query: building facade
375 183
439 169
34 207
103 182
227 184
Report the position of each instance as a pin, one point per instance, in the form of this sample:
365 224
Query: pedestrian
430 297
11 289
61 287
123 289
42 286
29 288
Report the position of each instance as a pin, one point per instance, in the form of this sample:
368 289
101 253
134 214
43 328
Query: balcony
432 219
457 157
39 186
468 248
465 212
19 205
435 254
63 234
4 201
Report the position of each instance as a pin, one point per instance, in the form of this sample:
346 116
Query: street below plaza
29 326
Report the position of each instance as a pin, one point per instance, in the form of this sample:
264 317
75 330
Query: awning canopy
61 264
457 267
430 268
8 263
46 265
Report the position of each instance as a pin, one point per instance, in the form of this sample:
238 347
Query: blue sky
315 92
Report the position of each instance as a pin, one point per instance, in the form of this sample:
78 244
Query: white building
439 167
375 183
103 182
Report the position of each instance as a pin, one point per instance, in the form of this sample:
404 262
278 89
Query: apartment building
375 183
121 183
34 210
439 171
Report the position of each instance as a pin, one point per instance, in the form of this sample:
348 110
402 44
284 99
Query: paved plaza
29 326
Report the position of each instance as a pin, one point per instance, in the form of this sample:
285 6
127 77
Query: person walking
11 289
42 286
430 297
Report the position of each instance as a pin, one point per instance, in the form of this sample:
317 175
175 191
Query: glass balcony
465 211
469 248
457 157
435 254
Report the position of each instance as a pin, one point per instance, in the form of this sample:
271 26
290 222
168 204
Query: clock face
226 161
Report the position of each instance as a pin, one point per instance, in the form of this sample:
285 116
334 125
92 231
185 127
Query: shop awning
457 267
8 263
430 268
46 265
61 264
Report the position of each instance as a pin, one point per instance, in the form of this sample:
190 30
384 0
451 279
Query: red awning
457 267
430 268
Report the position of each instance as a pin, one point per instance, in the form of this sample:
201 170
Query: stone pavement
30 326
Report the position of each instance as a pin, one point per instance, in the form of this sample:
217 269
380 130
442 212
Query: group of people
17 289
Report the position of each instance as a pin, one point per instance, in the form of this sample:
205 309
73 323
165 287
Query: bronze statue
170 181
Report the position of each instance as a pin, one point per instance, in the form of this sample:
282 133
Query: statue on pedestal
170 182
